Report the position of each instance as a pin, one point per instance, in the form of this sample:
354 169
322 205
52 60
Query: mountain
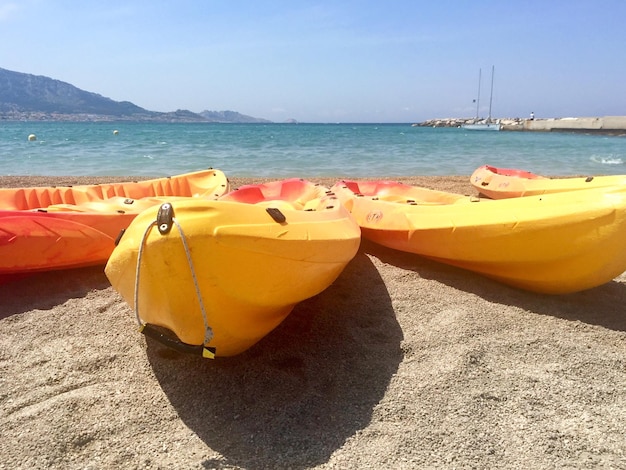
229 116
35 97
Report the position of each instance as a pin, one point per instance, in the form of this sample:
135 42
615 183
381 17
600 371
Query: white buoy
32 137
115 132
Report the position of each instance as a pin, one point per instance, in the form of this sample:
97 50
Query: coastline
453 183
401 363
609 125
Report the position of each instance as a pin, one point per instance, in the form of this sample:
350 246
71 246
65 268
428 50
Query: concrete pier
609 125
604 125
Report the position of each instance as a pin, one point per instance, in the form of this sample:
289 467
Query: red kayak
48 228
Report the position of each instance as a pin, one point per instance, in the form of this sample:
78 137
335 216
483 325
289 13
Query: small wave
610 160
149 157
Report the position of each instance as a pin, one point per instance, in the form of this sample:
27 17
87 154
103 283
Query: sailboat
487 125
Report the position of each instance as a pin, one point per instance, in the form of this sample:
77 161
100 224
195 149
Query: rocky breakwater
609 125
508 124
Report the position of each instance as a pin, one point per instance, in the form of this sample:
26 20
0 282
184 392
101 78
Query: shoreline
401 363
454 183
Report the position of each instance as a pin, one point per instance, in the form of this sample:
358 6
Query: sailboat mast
491 95
478 99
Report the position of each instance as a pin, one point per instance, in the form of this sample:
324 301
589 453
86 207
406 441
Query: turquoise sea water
303 150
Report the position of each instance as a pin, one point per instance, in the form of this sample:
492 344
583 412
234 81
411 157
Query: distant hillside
34 97
229 116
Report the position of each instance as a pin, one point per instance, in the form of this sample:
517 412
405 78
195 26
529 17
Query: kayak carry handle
199 350
164 219
276 214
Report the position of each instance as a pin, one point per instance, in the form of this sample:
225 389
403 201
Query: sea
295 150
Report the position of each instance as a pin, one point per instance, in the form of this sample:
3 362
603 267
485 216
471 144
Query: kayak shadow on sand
296 396
43 291
602 305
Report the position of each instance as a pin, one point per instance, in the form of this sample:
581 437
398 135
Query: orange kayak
48 228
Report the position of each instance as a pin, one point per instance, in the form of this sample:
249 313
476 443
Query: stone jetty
610 125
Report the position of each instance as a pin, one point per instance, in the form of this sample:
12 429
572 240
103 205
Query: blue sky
329 61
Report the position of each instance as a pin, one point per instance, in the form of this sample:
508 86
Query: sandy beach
402 363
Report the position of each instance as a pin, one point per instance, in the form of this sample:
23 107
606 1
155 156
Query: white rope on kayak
208 331
139 255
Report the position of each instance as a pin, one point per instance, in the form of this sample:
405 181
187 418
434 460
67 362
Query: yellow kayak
501 183
555 243
222 274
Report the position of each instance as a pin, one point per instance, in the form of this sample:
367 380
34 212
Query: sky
330 61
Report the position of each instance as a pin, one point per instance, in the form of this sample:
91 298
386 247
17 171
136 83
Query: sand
402 363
